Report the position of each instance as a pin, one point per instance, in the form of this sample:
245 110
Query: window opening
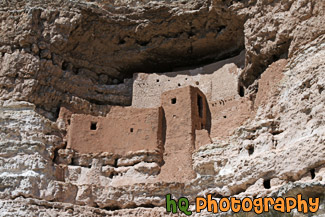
200 105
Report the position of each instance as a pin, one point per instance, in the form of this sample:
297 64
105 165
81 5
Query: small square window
173 101
267 183
131 130
93 125
250 150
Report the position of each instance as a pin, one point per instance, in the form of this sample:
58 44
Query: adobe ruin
186 110
169 129
121 131
218 81
172 114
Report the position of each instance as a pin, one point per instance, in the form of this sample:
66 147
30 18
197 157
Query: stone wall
122 130
79 52
169 129
228 115
184 114
217 81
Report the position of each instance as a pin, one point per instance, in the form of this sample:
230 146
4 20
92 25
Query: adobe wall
64 120
121 131
182 119
269 81
228 114
202 138
231 113
65 116
201 116
217 81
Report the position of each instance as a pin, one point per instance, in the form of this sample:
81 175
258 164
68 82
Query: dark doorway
93 125
241 91
200 105
267 183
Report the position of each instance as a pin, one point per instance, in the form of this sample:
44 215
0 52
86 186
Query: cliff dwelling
172 117
169 129
123 107
172 114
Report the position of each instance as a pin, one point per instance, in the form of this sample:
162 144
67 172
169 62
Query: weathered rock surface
81 55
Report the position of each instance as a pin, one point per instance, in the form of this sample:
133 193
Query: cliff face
82 55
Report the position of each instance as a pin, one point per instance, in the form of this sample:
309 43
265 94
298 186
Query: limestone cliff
82 55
